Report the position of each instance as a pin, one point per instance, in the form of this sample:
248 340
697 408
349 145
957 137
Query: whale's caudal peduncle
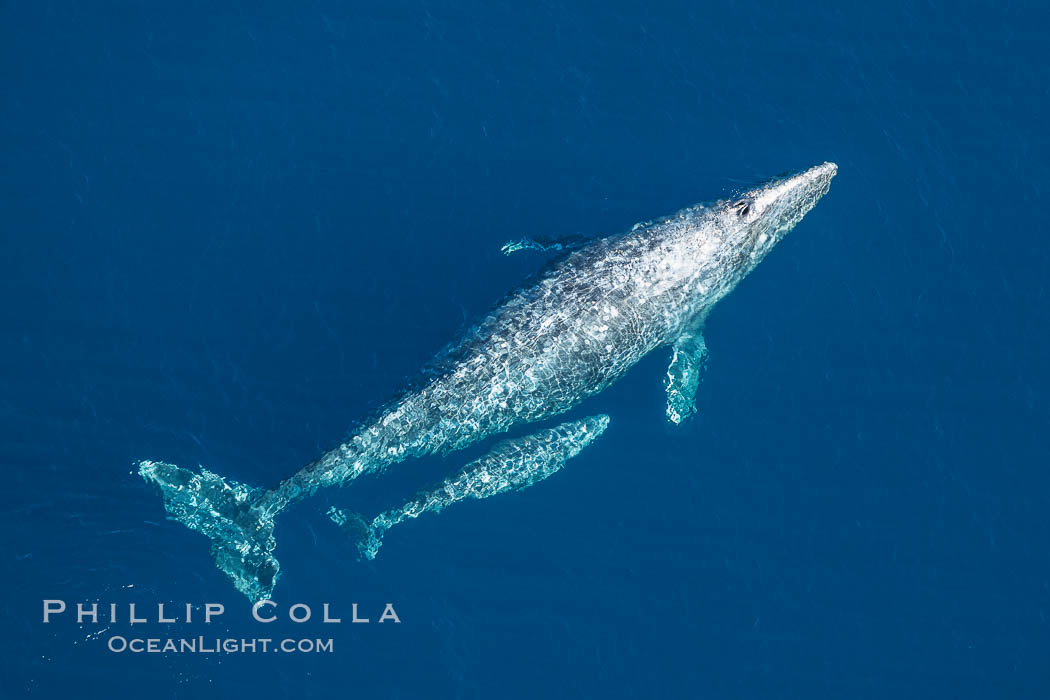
569 335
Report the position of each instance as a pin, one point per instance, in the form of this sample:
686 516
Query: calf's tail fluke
368 537
230 514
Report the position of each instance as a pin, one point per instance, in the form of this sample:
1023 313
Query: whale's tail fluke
367 537
228 512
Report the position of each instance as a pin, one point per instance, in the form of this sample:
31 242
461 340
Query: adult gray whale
578 328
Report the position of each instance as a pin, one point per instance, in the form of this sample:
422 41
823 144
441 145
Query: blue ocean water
229 231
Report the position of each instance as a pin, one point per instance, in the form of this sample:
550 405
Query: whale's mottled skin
567 336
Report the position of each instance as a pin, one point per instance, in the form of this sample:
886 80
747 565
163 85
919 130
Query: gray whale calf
570 334
511 465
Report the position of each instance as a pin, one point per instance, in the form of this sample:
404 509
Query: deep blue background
230 232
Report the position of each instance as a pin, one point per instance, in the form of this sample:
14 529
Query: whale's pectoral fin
544 243
509 466
688 362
